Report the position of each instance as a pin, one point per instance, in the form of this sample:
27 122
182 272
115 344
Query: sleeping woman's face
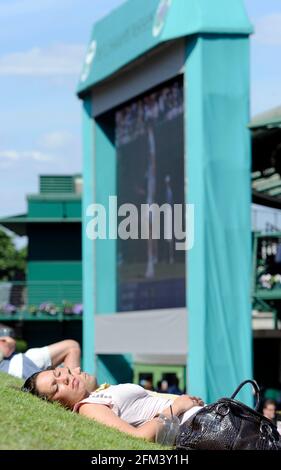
63 385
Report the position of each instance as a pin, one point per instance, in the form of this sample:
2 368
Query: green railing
40 299
266 282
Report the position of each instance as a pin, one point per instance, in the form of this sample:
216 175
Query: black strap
255 387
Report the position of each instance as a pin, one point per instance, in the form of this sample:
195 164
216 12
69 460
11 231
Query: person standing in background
152 256
269 410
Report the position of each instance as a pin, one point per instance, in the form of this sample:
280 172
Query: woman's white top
133 403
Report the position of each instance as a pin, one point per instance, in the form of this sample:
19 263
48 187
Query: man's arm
67 352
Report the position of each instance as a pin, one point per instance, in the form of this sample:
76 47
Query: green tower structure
142 45
54 261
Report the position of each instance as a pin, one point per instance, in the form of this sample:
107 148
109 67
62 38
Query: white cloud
268 30
56 60
35 155
9 154
56 140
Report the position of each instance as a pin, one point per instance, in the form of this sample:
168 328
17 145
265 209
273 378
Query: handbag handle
255 387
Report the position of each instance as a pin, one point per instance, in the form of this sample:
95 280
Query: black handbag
228 424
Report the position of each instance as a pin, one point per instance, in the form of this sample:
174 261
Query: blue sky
42 45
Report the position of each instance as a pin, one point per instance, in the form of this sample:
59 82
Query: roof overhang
267 120
265 200
138 26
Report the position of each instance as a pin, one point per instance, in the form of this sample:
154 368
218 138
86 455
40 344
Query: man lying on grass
35 359
127 407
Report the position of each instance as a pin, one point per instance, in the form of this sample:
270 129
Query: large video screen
149 139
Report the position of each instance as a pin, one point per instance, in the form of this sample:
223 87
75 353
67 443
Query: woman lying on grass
126 407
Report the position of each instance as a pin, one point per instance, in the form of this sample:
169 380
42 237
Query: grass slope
26 422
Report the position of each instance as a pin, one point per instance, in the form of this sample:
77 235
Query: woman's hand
184 403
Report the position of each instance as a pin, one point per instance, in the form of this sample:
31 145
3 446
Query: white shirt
133 403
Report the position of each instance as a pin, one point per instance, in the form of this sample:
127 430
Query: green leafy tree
12 261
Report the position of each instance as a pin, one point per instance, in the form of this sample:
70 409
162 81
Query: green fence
37 297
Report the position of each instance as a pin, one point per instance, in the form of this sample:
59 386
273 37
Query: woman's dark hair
30 385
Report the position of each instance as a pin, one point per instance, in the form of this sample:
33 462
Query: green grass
26 422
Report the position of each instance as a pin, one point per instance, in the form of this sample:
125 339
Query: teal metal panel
140 25
105 180
68 208
73 209
54 271
88 253
114 369
218 169
37 208
187 17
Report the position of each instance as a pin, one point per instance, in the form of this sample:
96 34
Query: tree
12 261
